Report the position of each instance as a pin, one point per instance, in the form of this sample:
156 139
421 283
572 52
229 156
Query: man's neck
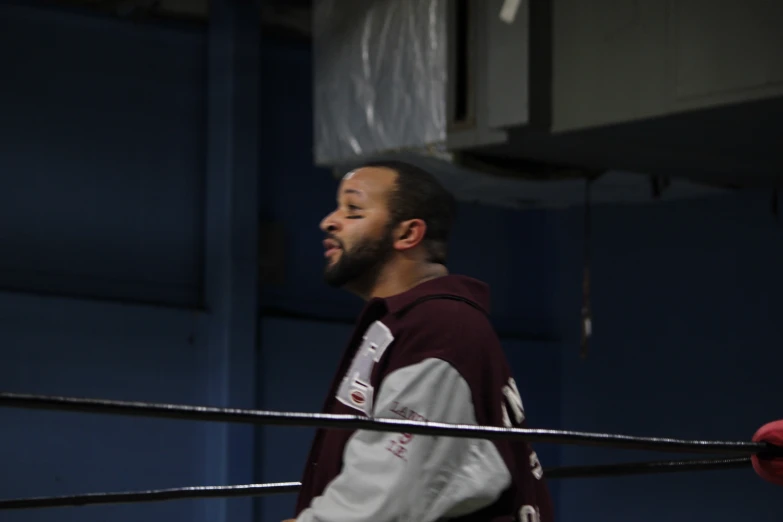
396 280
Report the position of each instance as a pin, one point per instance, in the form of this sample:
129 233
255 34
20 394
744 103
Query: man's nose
329 223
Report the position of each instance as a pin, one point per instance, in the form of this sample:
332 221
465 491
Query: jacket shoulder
447 329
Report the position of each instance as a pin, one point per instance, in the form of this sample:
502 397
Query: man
423 349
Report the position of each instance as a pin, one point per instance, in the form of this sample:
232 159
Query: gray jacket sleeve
395 477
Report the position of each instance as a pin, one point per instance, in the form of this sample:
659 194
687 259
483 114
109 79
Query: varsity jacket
428 354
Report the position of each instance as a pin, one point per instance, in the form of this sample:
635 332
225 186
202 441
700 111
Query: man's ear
408 234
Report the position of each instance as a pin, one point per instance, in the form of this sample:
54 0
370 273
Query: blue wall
101 124
133 174
79 348
101 200
686 344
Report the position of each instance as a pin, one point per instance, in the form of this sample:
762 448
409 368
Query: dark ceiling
732 146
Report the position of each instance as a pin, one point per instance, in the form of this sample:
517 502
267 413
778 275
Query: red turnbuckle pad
770 468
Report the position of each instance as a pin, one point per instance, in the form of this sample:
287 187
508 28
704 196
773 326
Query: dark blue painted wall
687 344
101 200
125 278
101 124
90 349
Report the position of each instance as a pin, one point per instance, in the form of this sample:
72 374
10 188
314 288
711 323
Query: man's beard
360 266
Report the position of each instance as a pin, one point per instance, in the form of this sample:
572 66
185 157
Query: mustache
332 238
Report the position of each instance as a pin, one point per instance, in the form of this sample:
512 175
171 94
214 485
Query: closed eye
352 209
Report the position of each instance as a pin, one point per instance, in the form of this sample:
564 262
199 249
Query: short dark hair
419 195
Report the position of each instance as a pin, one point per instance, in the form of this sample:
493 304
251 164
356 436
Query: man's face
358 233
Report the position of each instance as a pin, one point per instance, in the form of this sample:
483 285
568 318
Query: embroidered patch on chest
355 389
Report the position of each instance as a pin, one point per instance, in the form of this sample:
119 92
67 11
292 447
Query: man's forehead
379 173
367 180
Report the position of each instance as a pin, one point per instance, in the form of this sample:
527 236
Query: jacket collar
462 287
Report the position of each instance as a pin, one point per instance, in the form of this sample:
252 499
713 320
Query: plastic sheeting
379 77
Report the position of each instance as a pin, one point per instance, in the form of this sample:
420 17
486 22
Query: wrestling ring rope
764 453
